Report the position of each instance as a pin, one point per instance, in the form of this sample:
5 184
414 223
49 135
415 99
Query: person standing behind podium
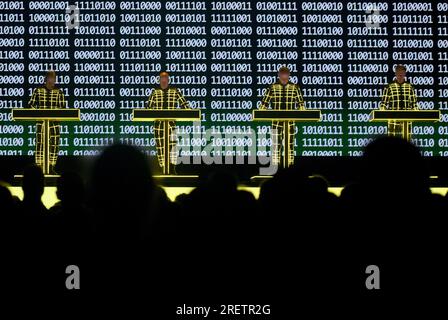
399 95
166 97
283 95
48 97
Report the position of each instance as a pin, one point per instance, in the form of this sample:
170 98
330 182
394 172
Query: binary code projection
222 55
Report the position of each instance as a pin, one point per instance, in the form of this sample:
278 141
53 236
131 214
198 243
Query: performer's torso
165 98
401 96
48 98
284 96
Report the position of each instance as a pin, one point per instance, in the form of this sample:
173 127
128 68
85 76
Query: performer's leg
277 141
173 142
173 147
395 129
54 137
39 153
408 131
160 139
291 142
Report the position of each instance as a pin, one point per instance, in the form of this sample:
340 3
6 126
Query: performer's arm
266 99
183 103
300 98
385 99
414 99
61 98
33 100
151 99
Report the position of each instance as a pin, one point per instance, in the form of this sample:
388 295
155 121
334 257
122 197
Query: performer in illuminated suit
283 95
399 95
166 97
48 97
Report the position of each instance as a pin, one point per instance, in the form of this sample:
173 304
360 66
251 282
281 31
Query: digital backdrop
222 55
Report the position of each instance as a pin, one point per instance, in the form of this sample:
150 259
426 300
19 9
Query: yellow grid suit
283 97
399 97
43 98
166 99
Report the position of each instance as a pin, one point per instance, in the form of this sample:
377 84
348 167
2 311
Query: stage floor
49 198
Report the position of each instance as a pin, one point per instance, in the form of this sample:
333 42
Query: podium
46 115
406 117
286 116
166 116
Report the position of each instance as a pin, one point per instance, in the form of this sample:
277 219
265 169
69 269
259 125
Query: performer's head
283 74
164 79
50 79
400 73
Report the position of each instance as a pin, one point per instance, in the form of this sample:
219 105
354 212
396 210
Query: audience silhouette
33 189
120 225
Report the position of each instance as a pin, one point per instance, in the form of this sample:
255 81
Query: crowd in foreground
219 242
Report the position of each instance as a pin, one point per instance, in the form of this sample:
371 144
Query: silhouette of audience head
394 166
222 182
121 192
351 193
285 188
6 199
70 189
33 183
317 185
